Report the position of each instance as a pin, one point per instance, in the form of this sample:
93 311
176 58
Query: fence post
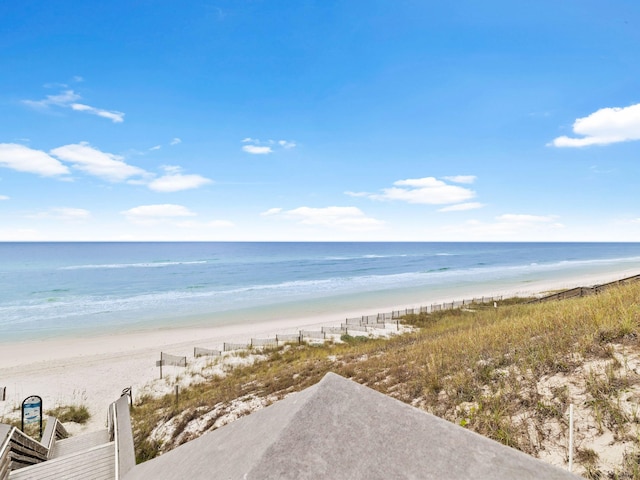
176 394
570 436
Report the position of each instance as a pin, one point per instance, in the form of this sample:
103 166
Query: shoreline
93 370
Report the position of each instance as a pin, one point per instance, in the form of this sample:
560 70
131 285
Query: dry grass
71 413
478 368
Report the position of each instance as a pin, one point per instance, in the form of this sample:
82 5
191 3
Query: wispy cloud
69 99
257 150
258 147
286 144
114 116
515 218
508 225
4 197
63 214
81 157
62 99
427 190
462 179
603 127
175 181
175 141
24 159
151 214
462 207
343 218
92 161
217 224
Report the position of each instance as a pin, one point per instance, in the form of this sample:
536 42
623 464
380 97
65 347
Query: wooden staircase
82 460
103 455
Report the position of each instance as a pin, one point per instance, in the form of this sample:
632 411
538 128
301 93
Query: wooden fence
351 326
205 352
585 291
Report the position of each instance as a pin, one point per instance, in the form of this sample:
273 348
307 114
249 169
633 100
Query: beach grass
70 413
491 370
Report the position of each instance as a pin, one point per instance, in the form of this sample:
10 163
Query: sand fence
387 323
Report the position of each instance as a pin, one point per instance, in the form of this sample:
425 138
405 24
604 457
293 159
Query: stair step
86 441
96 463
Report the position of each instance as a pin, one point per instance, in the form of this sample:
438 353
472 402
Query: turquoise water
72 288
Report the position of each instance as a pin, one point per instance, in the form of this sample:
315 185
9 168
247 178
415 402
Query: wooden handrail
18 450
5 460
119 427
53 431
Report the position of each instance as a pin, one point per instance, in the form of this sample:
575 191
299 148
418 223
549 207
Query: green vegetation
479 367
70 413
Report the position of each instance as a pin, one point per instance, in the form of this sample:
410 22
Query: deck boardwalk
97 463
77 444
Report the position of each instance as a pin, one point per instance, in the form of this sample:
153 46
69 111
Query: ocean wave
200 296
131 265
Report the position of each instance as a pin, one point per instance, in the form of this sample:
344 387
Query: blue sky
320 120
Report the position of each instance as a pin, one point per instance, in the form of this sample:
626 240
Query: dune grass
476 367
70 413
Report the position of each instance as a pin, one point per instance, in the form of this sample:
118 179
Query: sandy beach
93 371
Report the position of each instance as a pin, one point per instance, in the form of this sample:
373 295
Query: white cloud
257 147
508 226
175 141
25 159
526 219
174 181
462 179
357 194
64 214
603 127
257 150
212 224
345 218
63 99
286 144
114 116
427 190
462 207
271 211
4 197
157 147
90 160
69 99
72 213
162 211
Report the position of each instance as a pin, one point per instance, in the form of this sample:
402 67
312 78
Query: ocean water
50 289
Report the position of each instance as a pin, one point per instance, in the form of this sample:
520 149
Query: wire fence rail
585 291
205 352
356 326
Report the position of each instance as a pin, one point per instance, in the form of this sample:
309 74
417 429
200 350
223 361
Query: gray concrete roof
338 429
